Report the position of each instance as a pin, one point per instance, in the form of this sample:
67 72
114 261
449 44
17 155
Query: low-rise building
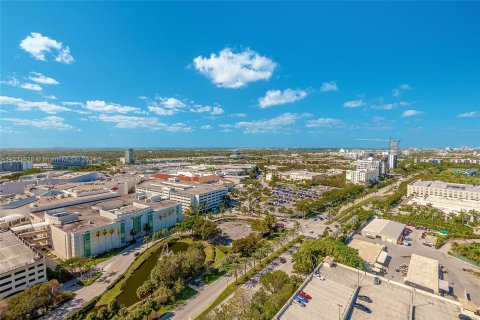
386 230
21 266
444 189
87 230
423 274
15 165
363 176
297 175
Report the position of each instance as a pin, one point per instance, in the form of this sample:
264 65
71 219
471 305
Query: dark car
377 280
363 308
464 317
364 298
283 260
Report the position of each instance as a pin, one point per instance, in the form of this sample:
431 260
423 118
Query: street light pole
339 306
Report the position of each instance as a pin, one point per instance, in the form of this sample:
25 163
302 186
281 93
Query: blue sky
239 74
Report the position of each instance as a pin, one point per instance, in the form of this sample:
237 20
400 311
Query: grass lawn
89 281
219 255
209 251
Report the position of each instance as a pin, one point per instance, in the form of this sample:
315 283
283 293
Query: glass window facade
86 244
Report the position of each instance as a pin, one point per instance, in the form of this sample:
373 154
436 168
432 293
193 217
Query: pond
129 294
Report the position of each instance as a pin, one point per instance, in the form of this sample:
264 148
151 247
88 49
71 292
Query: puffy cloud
31 86
354 104
390 106
206 127
231 69
411 113
471 114
403 87
23 105
324 122
38 46
171 106
40 78
329 86
151 123
12 81
102 106
238 115
273 125
278 97
51 122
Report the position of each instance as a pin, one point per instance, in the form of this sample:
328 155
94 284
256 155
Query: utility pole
339 306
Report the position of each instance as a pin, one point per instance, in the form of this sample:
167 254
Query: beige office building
444 189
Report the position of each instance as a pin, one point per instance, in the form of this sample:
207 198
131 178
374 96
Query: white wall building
361 176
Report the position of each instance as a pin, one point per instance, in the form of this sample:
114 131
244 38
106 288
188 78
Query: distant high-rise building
129 156
393 154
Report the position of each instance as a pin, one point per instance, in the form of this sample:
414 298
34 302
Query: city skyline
226 75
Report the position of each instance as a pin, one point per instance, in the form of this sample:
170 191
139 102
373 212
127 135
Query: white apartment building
444 189
298 175
368 164
361 176
21 266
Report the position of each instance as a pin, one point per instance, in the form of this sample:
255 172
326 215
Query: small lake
129 293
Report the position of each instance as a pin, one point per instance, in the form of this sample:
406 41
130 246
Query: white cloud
171 106
324 122
38 45
151 123
238 115
403 87
40 78
4 129
280 123
206 127
10 100
166 106
410 113
51 97
329 86
216 110
23 105
235 70
390 106
102 106
12 81
354 104
31 86
51 122
471 114
278 97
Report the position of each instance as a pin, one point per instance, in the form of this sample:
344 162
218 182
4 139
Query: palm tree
133 233
111 231
98 233
146 228
236 269
105 232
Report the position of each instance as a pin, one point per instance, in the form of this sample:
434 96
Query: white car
319 276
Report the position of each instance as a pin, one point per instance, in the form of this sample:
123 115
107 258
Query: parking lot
460 282
288 195
388 300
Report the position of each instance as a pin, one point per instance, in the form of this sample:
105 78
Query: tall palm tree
111 231
133 233
98 233
104 232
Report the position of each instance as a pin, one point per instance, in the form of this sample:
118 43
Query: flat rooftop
388 228
390 300
423 271
13 252
368 251
447 185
